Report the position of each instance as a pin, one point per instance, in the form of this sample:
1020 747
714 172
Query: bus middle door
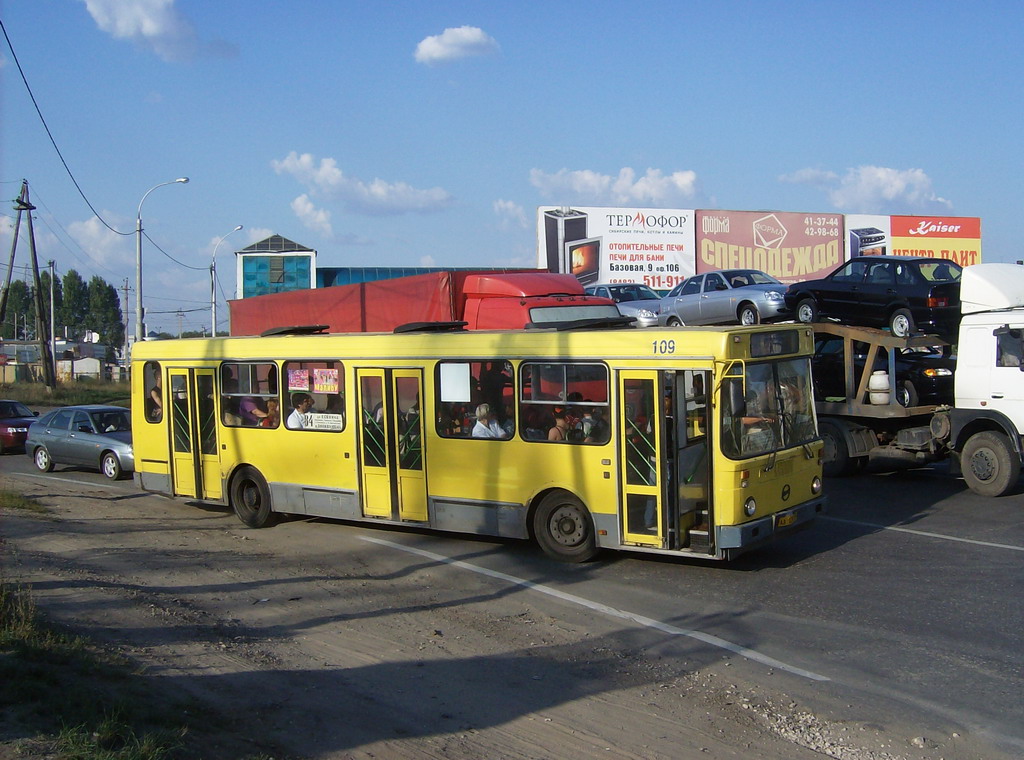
195 460
641 446
392 473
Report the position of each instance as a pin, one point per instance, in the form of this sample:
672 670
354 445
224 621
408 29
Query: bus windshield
774 412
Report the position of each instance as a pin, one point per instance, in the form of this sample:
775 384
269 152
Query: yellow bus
697 442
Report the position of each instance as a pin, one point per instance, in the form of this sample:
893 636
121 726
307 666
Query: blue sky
415 133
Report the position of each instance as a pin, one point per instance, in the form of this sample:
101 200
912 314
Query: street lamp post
139 329
213 284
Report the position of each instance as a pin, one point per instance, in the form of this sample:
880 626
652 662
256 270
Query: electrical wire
49 134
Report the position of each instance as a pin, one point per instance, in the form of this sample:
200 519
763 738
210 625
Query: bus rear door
195 460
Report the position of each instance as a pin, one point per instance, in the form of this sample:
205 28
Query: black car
924 376
907 295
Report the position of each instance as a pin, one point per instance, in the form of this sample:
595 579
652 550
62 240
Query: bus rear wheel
563 528
250 498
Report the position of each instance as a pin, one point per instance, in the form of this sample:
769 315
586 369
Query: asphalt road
904 600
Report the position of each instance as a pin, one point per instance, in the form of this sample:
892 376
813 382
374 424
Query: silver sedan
633 300
90 435
747 296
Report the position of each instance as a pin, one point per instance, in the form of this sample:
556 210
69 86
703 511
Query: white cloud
104 247
155 25
876 190
585 186
316 219
326 181
427 261
455 43
510 214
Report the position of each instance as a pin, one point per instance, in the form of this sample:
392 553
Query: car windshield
10 409
626 293
117 421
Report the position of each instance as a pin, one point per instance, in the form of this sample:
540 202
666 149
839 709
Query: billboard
651 246
957 238
787 245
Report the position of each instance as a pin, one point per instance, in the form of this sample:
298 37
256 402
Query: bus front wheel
250 498
563 528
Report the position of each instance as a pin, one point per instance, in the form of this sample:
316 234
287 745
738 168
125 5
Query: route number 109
664 346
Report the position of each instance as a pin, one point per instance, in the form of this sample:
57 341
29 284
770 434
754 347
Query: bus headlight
749 507
816 485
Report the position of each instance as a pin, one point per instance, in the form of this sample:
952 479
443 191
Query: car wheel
42 459
989 463
901 323
674 322
749 315
807 311
110 466
563 528
906 394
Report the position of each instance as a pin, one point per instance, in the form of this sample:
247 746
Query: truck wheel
250 498
901 323
989 463
836 459
807 311
749 315
906 394
563 528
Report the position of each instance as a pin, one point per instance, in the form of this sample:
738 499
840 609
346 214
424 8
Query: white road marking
925 533
56 479
707 638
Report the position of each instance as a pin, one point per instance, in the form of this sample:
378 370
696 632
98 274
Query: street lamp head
236 229
182 180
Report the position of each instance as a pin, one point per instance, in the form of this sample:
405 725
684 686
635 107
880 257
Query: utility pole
41 322
20 204
124 356
53 321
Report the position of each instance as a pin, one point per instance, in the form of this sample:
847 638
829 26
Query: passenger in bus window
558 431
486 426
251 411
302 403
273 413
155 402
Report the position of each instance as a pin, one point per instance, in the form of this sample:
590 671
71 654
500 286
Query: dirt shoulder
306 641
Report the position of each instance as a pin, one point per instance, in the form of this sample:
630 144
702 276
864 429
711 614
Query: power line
50 134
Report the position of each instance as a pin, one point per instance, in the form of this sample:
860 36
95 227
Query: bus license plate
785 520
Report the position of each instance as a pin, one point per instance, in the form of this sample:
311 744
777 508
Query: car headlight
937 372
646 313
774 295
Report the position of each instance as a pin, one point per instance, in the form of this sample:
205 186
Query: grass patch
12 500
66 394
59 692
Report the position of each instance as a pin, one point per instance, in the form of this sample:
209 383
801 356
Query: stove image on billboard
867 241
561 226
584 258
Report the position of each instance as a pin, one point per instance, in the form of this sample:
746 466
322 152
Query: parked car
633 300
15 418
906 295
923 375
89 436
747 296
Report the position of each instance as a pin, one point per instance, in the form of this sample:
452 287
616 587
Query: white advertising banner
653 246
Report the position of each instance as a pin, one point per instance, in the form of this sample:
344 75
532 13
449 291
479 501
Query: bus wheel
250 498
989 463
563 528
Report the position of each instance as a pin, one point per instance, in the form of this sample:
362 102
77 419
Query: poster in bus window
325 380
790 246
298 380
597 244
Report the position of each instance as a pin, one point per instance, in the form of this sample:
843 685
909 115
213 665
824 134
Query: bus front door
392 473
641 431
195 460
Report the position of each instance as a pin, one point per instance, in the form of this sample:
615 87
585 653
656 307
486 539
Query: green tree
74 308
19 309
105 312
